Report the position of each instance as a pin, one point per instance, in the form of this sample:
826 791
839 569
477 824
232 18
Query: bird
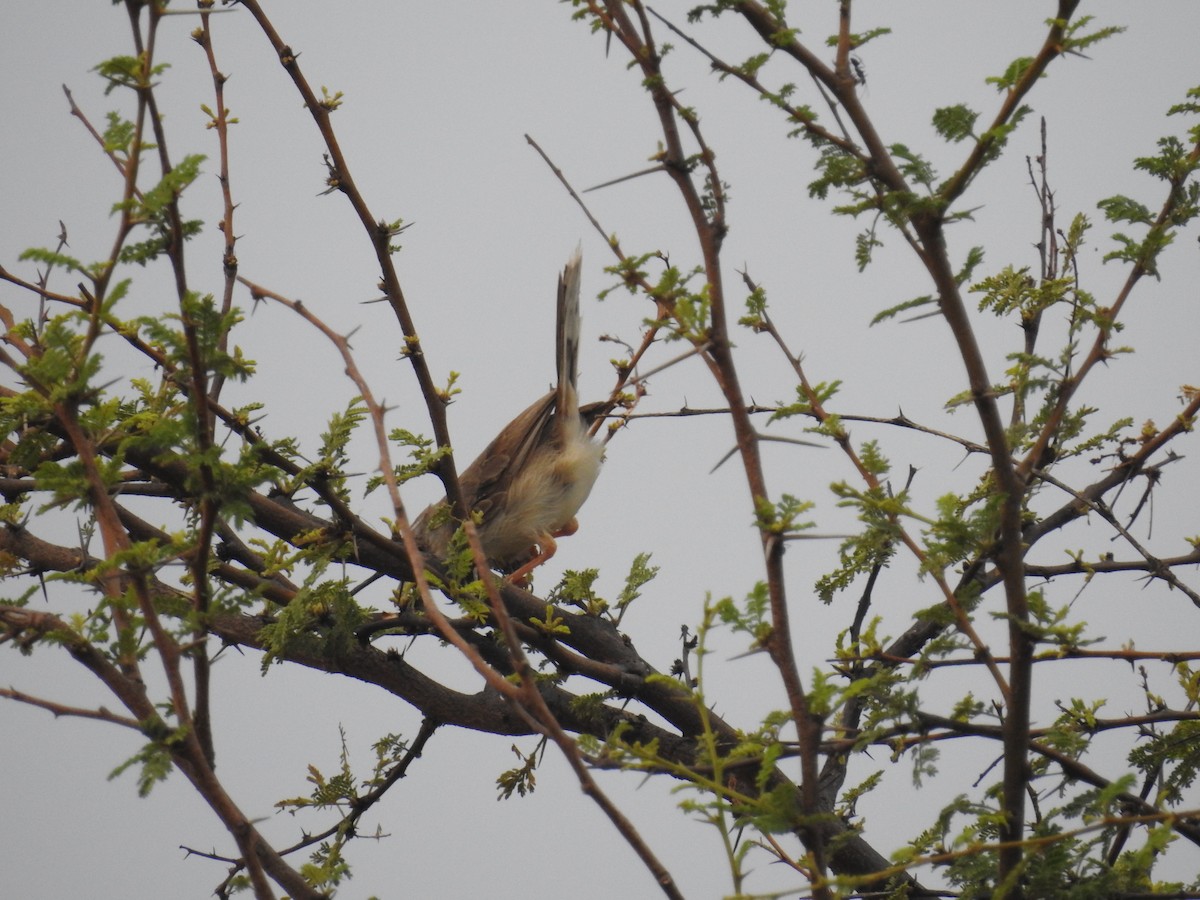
531 480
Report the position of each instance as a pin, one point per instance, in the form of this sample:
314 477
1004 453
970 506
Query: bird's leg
546 548
570 528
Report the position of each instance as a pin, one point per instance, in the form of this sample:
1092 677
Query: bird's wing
487 479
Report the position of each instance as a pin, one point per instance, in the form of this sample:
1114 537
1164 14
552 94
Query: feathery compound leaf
955 123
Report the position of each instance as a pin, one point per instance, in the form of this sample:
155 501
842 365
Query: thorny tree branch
710 228
1012 478
380 234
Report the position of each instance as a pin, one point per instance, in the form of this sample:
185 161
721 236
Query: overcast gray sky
438 98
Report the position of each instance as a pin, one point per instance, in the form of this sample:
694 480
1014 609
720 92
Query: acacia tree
148 523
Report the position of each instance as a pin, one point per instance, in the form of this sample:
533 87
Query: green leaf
1120 208
53 258
640 574
153 761
864 247
1075 41
913 166
955 123
858 39
172 184
1012 75
892 311
974 258
118 136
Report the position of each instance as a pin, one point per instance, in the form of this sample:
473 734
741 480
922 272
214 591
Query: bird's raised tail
568 334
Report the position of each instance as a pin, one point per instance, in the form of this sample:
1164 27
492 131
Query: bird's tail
568 333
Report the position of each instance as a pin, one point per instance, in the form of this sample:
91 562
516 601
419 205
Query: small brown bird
534 476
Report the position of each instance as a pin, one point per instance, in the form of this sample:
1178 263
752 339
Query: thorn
652 169
724 459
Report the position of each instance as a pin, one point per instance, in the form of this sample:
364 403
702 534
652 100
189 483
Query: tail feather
568 333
